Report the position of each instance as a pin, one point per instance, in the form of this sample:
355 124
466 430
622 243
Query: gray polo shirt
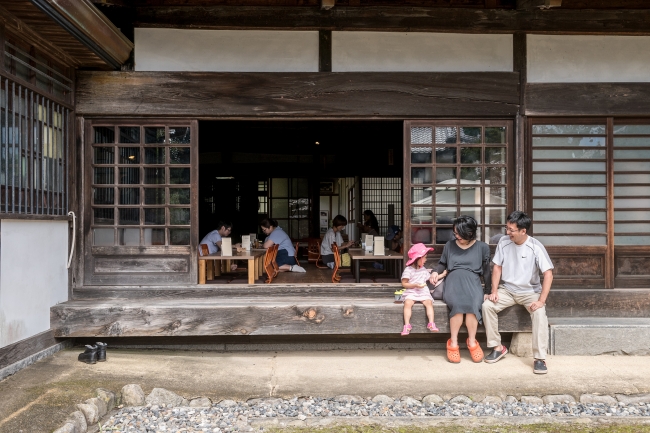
522 264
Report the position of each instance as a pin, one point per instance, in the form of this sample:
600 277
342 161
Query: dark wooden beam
299 95
324 51
520 56
22 349
420 19
587 99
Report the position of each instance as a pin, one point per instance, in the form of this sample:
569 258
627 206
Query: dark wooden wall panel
22 349
588 99
141 264
578 267
297 95
632 268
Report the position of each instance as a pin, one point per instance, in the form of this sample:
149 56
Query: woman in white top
332 236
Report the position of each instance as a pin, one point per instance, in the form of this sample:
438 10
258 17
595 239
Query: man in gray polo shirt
518 261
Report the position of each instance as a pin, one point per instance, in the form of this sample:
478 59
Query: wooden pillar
521 123
610 260
324 51
210 269
202 271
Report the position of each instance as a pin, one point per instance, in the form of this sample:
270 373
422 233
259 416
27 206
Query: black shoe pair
94 354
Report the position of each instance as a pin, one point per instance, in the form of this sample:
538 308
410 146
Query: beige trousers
538 317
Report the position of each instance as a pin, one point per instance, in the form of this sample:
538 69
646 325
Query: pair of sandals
431 326
453 353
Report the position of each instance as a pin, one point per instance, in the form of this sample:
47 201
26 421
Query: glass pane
303 229
154 135
569 178
129 175
179 175
179 236
421 155
470 155
154 175
154 196
470 134
421 215
446 196
104 155
303 187
179 216
568 203
103 175
632 129
632 215
470 195
632 142
103 237
494 234
569 129
103 195
104 134
570 216
179 196
280 208
445 215
445 134
631 203
129 216
129 195
569 154
421 135
569 166
128 236
154 155
445 175
495 195
154 236
572 240
293 234
495 155
495 175
129 134
420 175
569 228
421 195
445 155
129 155
179 155
474 212
179 135
299 208
631 190
495 134
444 235
495 215
632 178
632 228
104 216
470 175
632 240
632 154
568 141
421 235
631 166
570 191
154 216
280 187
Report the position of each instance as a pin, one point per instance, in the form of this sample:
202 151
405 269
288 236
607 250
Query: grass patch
535 428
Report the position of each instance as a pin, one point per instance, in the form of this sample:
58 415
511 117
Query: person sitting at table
213 239
394 235
286 252
333 235
370 224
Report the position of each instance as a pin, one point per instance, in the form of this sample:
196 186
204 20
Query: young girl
414 280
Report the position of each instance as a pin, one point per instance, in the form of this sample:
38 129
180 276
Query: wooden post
217 267
610 261
324 51
202 271
210 269
519 63
251 271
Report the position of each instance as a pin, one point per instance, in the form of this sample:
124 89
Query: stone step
599 336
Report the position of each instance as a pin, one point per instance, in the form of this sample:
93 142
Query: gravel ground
230 416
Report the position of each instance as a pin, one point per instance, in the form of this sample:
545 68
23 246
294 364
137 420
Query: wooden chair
295 254
336 277
205 250
276 268
313 251
270 265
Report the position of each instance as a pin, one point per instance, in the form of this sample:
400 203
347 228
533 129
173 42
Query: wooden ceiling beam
453 20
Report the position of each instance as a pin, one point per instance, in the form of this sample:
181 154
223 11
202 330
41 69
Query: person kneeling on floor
285 259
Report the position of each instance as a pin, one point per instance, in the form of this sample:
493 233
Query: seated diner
213 239
286 253
333 235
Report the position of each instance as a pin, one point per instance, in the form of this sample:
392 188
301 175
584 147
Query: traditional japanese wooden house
152 119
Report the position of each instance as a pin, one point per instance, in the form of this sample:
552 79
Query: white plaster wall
569 59
226 50
420 52
33 276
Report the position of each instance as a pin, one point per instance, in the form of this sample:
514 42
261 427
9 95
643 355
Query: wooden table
207 270
358 254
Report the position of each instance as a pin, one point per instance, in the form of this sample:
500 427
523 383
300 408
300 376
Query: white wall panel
33 276
592 59
225 50
420 52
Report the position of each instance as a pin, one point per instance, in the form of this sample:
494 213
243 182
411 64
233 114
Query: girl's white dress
416 276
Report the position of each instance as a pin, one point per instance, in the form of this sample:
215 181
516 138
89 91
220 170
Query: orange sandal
453 353
476 352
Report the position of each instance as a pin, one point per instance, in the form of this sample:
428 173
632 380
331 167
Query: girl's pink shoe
431 326
406 330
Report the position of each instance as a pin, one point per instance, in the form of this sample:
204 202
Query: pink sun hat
417 251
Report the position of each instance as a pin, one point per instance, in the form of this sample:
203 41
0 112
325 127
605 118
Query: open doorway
301 174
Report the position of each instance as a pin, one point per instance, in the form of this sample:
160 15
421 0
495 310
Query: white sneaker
296 268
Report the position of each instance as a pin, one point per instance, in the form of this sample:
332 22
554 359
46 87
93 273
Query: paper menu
246 242
226 247
369 242
379 246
